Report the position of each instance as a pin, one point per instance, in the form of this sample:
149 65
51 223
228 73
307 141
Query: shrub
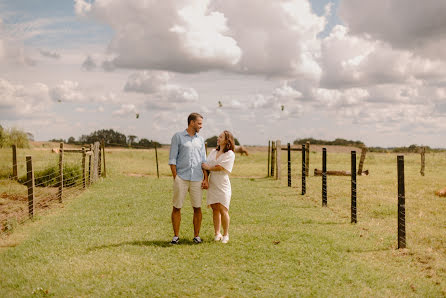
72 175
13 136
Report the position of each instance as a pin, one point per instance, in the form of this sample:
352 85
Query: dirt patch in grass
14 207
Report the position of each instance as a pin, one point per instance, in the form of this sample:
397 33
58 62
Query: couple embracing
192 173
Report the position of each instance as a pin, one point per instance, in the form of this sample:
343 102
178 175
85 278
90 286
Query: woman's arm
205 166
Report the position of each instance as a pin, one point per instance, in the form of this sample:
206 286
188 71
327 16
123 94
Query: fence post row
423 154
273 157
30 185
304 186
401 204
104 173
307 158
324 177
361 160
353 173
289 164
83 167
278 165
60 193
269 157
156 157
15 175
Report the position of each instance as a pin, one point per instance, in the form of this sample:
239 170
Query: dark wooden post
269 157
60 193
156 157
273 157
90 165
100 160
307 158
289 164
353 207
401 204
278 159
205 147
361 160
14 163
83 167
30 185
423 154
324 177
304 182
104 173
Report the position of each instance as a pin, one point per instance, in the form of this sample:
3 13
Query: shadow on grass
158 243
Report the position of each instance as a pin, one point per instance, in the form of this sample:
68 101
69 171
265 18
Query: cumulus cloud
71 91
89 64
418 26
125 110
49 54
12 50
22 101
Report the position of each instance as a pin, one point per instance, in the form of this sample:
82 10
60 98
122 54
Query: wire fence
47 182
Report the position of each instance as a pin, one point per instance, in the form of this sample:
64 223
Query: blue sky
367 72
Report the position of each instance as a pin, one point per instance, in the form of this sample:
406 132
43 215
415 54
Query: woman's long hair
229 140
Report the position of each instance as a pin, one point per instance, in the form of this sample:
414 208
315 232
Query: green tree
15 136
71 140
148 144
109 136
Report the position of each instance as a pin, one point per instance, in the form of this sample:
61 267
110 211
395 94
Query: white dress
219 190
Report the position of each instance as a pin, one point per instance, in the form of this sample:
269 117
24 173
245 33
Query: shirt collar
185 133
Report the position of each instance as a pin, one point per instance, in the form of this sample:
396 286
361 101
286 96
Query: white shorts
180 189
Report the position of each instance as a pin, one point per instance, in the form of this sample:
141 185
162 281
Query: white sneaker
225 239
218 237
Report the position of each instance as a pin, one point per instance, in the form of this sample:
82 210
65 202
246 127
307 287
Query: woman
220 162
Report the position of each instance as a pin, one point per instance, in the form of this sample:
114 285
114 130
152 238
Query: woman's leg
224 219
216 217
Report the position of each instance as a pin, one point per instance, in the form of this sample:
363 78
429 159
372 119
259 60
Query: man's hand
204 184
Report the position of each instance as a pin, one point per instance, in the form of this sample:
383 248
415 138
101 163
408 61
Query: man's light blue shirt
187 153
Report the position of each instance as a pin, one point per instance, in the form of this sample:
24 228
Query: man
187 154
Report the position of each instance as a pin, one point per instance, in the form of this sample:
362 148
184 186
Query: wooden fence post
95 161
60 193
90 166
353 205
307 158
104 173
423 153
83 167
401 204
324 177
99 160
278 159
289 164
30 185
273 157
14 163
205 147
304 182
156 157
361 160
269 157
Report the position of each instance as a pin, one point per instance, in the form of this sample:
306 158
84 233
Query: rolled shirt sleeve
174 150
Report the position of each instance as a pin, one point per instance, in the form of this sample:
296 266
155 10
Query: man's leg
176 221
197 221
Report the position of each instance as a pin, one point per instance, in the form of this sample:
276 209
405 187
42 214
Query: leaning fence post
278 153
289 164
83 167
401 204
269 156
156 157
14 162
423 153
304 182
273 157
324 177
353 206
60 193
104 173
30 185
307 158
361 160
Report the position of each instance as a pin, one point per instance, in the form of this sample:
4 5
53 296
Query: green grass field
112 239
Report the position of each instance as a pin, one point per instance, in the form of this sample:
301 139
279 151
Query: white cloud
418 26
125 110
89 64
50 54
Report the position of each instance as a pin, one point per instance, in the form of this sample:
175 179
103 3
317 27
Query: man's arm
205 183
173 168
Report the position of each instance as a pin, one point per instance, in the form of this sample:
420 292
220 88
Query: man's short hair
193 117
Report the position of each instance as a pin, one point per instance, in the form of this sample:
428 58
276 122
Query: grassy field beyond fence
112 240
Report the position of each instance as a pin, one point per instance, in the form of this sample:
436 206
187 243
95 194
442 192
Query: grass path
113 241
